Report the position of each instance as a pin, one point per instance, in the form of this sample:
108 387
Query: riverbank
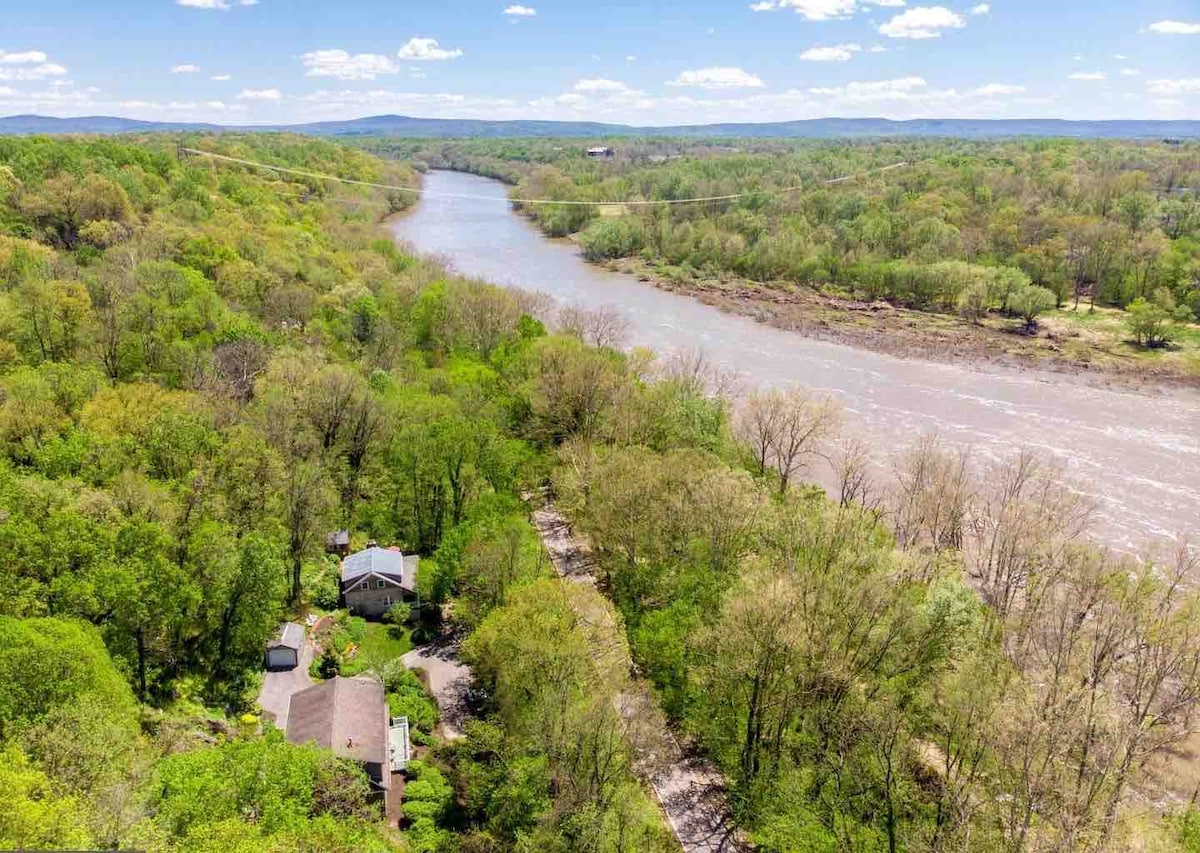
1105 436
1086 344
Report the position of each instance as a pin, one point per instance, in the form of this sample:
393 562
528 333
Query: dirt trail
690 790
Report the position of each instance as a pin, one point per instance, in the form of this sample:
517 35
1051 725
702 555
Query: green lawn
380 644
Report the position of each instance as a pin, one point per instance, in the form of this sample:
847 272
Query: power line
531 201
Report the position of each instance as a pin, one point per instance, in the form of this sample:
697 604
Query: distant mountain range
821 128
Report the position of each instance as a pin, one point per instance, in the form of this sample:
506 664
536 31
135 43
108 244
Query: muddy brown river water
1137 455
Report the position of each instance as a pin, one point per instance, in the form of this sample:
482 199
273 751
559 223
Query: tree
307 499
47 664
64 204
573 388
1152 322
1136 209
785 429
33 814
974 301
1030 302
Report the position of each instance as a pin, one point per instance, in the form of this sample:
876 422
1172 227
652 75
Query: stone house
376 580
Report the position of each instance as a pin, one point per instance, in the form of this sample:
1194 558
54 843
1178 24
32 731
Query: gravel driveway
448 680
278 687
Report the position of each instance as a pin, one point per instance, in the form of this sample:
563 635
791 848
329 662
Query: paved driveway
448 680
278 687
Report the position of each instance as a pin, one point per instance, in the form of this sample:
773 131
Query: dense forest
1099 239
205 368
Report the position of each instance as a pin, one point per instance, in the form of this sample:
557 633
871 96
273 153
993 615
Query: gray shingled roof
381 561
346 715
290 636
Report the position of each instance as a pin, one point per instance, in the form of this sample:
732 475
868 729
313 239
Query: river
1137 455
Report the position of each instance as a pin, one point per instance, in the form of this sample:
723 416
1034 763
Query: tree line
1012 228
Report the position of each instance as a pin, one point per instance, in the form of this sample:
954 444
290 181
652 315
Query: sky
643 62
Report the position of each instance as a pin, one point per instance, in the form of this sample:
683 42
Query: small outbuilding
283 652
600 151
338 542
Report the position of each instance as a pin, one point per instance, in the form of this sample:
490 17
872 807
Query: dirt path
689 789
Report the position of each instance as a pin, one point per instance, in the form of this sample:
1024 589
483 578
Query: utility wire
531 201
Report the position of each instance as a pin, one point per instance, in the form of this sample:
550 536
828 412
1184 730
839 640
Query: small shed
283 652
338 542
600 151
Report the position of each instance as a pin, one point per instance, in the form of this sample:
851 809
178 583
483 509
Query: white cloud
717 78
519 11
185 68
877 48
981 9
835 53
631 59
1088 75
922 22
26 57
216 105
912 92
1174 28
221 77
812 10
23 70
340 104
600 85
222 5
568 99
260 95
427 50
1186 86
874 86
998 89
1120 56
1130 72
344 66
7 91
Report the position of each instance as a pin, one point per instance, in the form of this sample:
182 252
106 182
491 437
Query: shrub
606 239
1030 301
1152 323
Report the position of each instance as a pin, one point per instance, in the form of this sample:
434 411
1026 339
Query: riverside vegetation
204 369
1056 252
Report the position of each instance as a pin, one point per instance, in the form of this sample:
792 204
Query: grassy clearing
1102 337
380 643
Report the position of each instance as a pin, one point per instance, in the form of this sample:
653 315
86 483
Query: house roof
346 715
385 562
291 636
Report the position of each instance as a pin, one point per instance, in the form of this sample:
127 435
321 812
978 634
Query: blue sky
647 62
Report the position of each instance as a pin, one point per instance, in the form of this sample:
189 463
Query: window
380 584
387 601
365 585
